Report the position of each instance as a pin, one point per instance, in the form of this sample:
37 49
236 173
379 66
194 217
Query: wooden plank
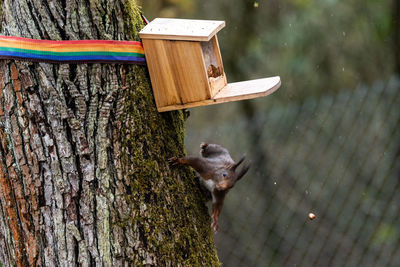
248 89
213 61
214 40
161 74
216 87
187 64
177 71
216 84
181 29
234 92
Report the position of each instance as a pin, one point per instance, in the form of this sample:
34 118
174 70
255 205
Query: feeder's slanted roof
181 29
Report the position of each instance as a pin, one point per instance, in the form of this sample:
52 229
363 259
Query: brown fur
217 172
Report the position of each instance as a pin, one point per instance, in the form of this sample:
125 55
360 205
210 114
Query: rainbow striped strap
80 51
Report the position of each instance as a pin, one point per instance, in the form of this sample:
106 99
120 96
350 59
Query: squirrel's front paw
174 160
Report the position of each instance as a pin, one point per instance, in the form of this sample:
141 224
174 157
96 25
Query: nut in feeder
186 69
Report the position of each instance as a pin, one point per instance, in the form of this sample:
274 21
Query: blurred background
327 142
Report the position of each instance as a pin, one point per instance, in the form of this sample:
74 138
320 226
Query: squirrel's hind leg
208 150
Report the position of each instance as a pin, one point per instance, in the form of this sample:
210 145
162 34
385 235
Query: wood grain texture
177 71
217 84
234 92
181 29
161 72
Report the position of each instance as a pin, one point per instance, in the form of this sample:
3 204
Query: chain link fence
336 156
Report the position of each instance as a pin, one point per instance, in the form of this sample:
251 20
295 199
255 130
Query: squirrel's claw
203 145
214 225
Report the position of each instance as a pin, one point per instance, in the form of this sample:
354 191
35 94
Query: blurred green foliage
326 142
315 46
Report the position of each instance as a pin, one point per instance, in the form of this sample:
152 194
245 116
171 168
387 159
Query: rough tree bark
84 178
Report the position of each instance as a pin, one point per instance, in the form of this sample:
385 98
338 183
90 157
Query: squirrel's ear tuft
234 166
242 172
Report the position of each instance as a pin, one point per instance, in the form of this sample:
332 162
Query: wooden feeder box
186 69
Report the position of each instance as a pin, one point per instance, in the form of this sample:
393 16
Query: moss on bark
169 203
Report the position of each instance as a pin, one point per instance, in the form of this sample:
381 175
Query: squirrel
217 172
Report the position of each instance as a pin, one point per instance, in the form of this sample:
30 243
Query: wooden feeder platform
234 92
186 68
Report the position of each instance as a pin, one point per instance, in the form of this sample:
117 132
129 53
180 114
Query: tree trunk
84 177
